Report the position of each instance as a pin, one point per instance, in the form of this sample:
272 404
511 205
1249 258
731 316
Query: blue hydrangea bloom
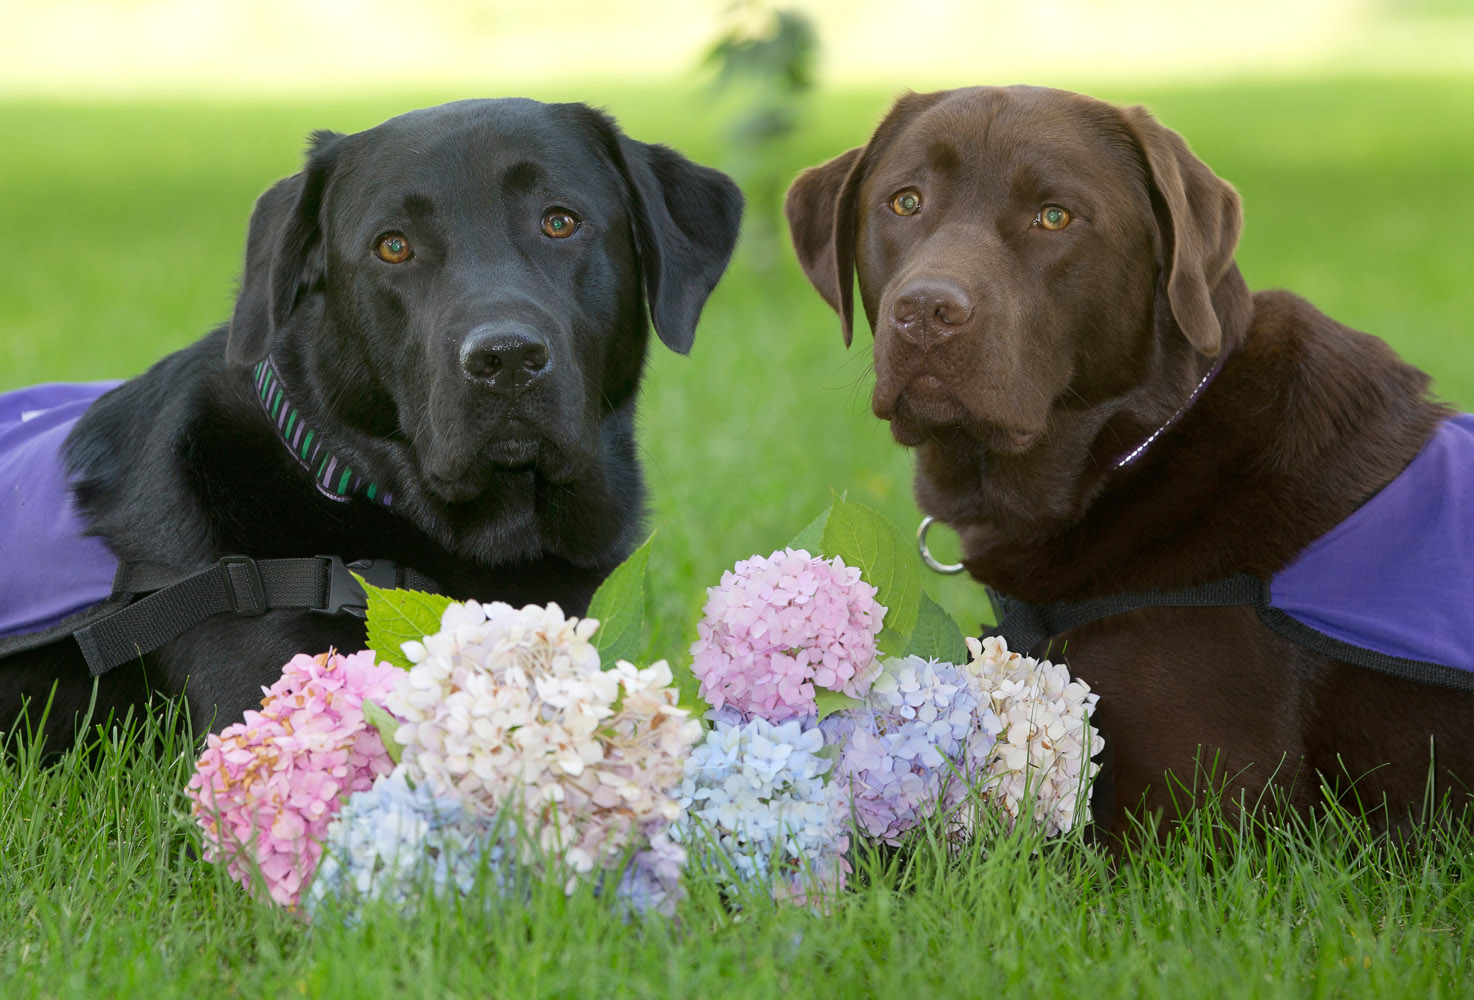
394 841
759 792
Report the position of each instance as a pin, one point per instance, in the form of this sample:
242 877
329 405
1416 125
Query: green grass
103 898
123 228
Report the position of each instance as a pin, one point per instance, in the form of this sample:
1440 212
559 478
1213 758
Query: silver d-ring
948 569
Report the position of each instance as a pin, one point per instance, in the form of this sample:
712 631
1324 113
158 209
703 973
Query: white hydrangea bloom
1043 753
512 709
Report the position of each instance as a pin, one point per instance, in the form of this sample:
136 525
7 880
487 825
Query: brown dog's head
1047 277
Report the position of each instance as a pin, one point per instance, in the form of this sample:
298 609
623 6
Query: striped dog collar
334 477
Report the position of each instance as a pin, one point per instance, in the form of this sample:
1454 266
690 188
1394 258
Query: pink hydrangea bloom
265 789
779 629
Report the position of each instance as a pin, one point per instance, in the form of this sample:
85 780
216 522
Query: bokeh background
135 135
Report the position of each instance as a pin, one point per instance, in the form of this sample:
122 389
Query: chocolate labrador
1221 508
429 378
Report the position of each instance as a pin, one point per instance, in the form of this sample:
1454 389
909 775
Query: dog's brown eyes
1052 217
559 225
908 202
393 248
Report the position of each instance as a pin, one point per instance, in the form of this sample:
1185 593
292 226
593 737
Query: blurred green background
135 136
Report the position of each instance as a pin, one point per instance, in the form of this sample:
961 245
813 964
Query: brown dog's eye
393 248
559 224
908 202
1052 217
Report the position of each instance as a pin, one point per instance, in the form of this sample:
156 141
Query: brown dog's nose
930 310
504 360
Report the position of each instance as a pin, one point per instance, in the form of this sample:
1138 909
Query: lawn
123 227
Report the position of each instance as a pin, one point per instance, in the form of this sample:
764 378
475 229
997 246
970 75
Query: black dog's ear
686 222
1199 216
820 208
284 255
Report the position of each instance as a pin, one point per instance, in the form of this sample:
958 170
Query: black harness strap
235 585
1025 626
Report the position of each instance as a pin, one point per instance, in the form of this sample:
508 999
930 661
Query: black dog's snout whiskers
504 360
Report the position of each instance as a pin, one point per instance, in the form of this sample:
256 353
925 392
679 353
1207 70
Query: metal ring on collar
947 569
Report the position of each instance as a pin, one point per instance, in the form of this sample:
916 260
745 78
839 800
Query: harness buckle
344 593
243 585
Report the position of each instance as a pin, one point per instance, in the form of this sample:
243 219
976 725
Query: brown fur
1036 357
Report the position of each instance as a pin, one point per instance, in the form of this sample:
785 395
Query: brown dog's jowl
1100 407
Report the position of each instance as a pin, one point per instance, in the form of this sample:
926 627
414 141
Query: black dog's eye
907 202
393 248
559 224
1052 217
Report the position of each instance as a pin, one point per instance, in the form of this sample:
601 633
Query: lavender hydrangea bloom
651 882
911 748
392 841
758 791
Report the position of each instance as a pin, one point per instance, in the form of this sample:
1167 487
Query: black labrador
432 366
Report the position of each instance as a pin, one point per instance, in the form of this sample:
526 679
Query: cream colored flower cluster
512 709
1043 753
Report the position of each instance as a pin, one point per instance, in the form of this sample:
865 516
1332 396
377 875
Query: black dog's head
461 292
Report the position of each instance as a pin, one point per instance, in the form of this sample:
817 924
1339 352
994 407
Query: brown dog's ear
1200 218
284 255
820 207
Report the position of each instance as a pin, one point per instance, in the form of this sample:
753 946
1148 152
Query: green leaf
812 537
892 643
398 616
864 537
829 752
937 636
830 702
619 605
387 725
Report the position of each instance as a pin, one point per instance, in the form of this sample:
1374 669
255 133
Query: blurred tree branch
764 62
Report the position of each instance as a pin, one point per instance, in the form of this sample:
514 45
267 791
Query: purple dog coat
1397 576
49 570
1390 588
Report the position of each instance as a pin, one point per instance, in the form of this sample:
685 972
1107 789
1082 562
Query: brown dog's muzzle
928 311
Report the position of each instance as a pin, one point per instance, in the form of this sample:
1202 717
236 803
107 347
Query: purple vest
1390 588
48 569
1397 576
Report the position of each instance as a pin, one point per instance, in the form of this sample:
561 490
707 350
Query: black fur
527 494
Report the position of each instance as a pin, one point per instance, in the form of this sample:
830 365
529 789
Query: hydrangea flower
757 790
651 881
778 629
1042 756
396 839
397 842
510 709
911 748
266 789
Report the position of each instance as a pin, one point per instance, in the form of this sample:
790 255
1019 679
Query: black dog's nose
931 310
503 359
